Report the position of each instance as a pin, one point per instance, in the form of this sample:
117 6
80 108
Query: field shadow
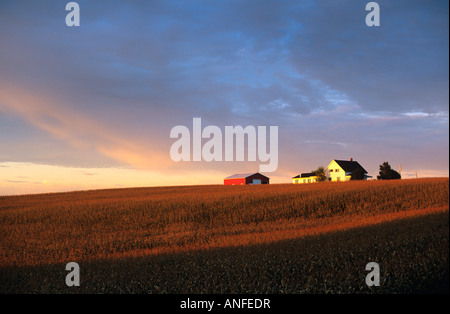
412 254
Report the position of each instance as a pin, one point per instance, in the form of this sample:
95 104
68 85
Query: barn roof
243 175
349 166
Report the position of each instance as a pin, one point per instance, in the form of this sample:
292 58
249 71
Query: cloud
81 131
400 66
89 173
16 181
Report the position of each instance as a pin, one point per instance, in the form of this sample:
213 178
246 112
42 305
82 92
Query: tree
387 173
320 174
357 174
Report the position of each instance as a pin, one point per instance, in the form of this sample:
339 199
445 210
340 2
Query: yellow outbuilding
309 177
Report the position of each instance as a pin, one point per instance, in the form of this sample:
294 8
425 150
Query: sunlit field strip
289 231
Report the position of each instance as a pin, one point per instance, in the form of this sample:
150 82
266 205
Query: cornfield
279 238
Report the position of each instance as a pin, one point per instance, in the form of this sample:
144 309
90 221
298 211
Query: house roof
305 175
243 175
349 166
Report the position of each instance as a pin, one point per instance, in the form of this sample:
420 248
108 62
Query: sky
92 106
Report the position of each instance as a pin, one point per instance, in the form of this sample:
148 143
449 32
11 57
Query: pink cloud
81 131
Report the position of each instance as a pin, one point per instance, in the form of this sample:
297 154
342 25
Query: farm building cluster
336 171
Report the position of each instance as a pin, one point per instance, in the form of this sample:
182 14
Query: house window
337 170
338 179
331 170
309 180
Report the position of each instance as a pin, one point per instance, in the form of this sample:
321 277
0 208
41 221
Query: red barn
246 178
